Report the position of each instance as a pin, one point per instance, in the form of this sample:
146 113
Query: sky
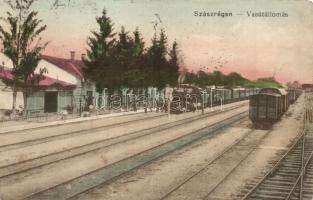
253 46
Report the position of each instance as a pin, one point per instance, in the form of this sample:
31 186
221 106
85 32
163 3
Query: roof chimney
83 56
72 55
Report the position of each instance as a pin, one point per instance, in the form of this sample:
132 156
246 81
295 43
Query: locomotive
185 99
268 106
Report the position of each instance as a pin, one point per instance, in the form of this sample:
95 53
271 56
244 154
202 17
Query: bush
7 113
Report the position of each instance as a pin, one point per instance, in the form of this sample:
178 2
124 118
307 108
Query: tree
128 59
22 45
99 62
123 55
139 44
203 79
217 78
234 79
173 65
135 74
190 78
156 61
138 72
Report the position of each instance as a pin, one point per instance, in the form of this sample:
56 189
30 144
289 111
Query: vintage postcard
156 99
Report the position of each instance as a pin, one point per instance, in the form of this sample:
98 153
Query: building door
51 102
89 98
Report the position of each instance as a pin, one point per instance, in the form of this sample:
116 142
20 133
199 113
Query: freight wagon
189 98
267 107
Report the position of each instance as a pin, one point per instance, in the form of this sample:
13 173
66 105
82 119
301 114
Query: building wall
56 73
36 100
35 103
75 99
6 98
65 100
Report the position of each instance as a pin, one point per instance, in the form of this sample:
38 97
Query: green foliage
22 45
127 58
115 63
173 68
161 70
18 46
100 68
203 79
266 82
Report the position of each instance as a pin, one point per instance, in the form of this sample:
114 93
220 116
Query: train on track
267 107
189 98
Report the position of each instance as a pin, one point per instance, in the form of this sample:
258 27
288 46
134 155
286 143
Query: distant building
64 86
307 87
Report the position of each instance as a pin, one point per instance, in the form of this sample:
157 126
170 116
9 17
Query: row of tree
231 80
121 60
203 79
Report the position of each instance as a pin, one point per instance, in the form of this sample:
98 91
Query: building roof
45 82
273 90
268 94
74 67
6 74
51 82
307 86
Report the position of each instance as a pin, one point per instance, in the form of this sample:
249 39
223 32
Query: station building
63 87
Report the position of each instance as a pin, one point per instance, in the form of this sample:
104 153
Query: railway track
84 130
105 174
239 151
23 166
188 189
291 177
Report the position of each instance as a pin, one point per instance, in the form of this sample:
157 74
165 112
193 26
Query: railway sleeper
286 174
293 159
307 193
294 155
308 184
309 175
278 188
266 196
289 170
307 197
273 192
296 168
287 177
292 164
307 190
279 182
256 198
